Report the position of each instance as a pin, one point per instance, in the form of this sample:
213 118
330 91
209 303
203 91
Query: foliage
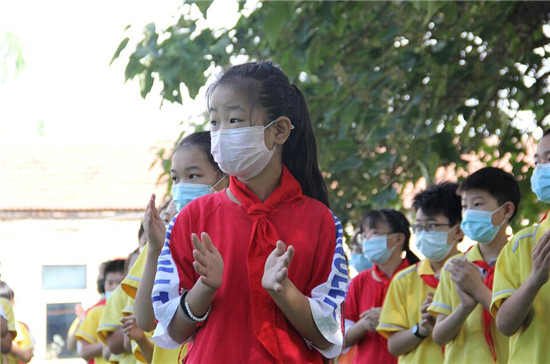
396 89
12 60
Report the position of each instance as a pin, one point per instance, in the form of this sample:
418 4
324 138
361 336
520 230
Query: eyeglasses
429 227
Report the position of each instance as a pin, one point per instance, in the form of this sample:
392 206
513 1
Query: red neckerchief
262 242
429 279
487 318
544 217
101 302
385 281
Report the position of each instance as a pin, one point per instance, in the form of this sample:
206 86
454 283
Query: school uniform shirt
401 310
470 345
110 322
514 264
130 286
88 330
367 290
130 283
318 270
23 341
6 313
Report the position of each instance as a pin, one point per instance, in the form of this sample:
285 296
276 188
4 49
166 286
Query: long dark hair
397 222
270 89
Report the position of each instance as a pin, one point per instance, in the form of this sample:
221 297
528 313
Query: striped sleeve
166 293
327 299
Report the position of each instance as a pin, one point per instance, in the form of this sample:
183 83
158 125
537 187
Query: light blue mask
433 245
540 182
108 295
477 225
183 193
376 249
359 262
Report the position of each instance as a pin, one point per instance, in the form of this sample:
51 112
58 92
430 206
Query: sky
68 92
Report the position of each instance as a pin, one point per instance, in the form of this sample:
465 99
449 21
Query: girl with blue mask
194 173
384 236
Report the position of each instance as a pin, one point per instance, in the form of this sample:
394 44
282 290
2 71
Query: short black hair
502 185
5 291
546 132
114 266
440 199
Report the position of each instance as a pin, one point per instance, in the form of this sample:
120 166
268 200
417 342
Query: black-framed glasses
429 227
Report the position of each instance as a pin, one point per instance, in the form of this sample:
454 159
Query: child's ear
282 128
458 235
509 210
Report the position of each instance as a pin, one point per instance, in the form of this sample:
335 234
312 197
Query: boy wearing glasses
405 320
464 325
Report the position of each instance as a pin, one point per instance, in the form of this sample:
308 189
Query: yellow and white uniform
23 341
469 346
131 282
130 285
6 313
514 264
110 322
401 311
88 330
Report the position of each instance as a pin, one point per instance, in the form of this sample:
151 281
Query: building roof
89 176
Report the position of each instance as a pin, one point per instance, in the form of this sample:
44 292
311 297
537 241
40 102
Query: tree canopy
396 89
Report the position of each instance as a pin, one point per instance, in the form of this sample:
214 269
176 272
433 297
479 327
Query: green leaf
119 49
280 13
203 5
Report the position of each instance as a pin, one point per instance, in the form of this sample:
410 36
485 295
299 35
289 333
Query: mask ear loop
494 212
217 182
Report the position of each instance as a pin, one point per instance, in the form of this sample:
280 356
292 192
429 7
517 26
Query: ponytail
268 87
397 222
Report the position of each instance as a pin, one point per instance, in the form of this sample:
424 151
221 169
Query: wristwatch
416 332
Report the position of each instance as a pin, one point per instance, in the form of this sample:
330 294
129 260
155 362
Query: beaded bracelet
185 307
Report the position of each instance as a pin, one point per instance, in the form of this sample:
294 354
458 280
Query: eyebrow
229 108
190 168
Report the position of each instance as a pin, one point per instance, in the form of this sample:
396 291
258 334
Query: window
64 277
59 318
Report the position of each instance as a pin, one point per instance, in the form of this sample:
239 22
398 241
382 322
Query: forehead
189 156
422 216
476 193
229 98
380 225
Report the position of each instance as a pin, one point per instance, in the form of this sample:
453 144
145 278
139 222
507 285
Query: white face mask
241 152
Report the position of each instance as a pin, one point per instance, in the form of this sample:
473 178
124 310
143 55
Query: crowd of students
246 262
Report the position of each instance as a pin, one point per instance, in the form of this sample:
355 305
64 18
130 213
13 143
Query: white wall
27 245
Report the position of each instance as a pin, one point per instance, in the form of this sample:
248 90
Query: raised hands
276 267
153 226
468 280
208 261
428 321
370 318
131 329
541 260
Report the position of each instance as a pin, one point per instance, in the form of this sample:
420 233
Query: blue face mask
183 193
376 249
359 262
433 245
540 182
477 225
